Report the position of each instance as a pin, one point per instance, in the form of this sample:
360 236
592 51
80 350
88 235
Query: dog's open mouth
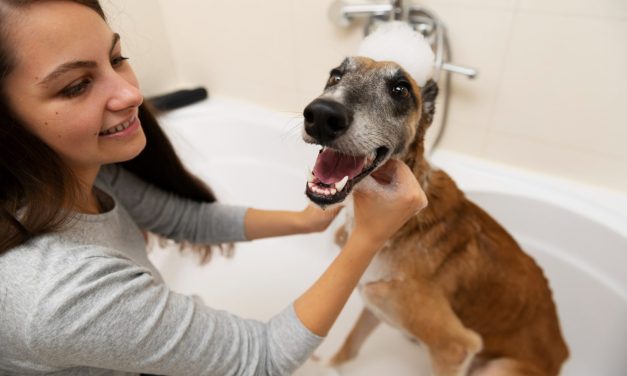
335 174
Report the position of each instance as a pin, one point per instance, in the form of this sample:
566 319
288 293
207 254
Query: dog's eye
400 91
334 79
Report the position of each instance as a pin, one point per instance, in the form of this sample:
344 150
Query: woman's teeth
118 128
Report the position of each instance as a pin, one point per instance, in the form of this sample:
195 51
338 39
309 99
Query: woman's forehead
50 32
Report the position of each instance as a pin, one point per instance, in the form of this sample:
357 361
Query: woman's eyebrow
66 67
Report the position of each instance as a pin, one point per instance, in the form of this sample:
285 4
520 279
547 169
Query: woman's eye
117 61
77 89
400 91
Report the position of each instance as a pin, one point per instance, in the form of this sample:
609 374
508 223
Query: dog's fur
452 278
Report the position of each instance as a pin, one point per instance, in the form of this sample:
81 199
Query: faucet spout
398 11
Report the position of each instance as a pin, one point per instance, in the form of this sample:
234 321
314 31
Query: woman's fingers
385 200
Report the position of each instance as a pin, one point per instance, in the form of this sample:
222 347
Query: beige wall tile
589 167
231 46
319 44
562 83
479 39
145 41
596 8
477 4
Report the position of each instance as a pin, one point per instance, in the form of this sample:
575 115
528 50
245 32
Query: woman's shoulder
117 179
45 288
41 266
52 254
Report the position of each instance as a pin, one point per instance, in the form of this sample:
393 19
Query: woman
84 170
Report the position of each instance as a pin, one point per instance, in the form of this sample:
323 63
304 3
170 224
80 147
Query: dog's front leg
366 323
424 312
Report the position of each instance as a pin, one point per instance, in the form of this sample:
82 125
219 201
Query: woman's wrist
364 242
300 223
268 223
261 224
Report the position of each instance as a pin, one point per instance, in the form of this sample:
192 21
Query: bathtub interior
255 157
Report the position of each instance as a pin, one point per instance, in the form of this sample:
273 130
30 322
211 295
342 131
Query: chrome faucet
397 9
423 20
342 13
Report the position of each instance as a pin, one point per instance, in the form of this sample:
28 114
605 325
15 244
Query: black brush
178 99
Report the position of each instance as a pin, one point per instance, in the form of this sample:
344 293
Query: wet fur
452 277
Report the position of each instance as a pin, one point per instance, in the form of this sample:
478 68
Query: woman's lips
123 128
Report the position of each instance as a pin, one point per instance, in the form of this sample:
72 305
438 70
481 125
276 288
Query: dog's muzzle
336 172
326 120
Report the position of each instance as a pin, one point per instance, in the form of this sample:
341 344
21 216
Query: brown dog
452 278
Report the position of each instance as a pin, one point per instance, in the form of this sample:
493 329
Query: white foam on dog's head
398 42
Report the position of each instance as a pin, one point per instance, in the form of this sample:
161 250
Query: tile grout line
499 87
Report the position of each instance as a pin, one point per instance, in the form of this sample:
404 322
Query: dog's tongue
332 166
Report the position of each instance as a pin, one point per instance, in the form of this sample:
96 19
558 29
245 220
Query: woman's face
72 86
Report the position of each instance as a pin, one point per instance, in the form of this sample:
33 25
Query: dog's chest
381 268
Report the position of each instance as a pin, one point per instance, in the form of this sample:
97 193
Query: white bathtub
255 157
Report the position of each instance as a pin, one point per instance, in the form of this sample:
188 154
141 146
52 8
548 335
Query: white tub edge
472 173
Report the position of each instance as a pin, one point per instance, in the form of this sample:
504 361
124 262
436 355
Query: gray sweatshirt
87 301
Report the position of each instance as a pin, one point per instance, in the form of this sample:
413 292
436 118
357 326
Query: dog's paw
455 358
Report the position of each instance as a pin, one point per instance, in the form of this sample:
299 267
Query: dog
452 278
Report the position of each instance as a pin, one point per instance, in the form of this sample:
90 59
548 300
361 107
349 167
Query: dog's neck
414 158
442 193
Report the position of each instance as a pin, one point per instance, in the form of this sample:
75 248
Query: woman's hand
315 219
386 200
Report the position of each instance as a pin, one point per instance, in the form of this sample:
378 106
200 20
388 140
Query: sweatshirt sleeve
174 217
107 312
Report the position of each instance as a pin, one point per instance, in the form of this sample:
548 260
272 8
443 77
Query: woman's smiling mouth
120 127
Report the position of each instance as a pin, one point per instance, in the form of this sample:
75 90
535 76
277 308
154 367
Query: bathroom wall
550 95
145 40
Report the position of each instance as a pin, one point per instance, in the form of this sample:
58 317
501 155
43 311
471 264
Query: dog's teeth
341 184
310 176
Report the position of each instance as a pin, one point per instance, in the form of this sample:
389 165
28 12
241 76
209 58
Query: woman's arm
211 223
260 224
322 303
95 307
171 216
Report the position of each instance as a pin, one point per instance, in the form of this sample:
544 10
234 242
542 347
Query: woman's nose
124 93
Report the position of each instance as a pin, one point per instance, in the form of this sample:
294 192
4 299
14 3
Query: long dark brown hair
36 187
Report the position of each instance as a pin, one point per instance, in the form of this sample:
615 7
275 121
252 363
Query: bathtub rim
604 206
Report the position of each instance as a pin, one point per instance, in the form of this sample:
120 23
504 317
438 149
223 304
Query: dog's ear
429 93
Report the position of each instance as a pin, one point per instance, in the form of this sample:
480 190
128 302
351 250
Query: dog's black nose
326 120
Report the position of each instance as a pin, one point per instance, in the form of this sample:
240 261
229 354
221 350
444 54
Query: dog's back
494 288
